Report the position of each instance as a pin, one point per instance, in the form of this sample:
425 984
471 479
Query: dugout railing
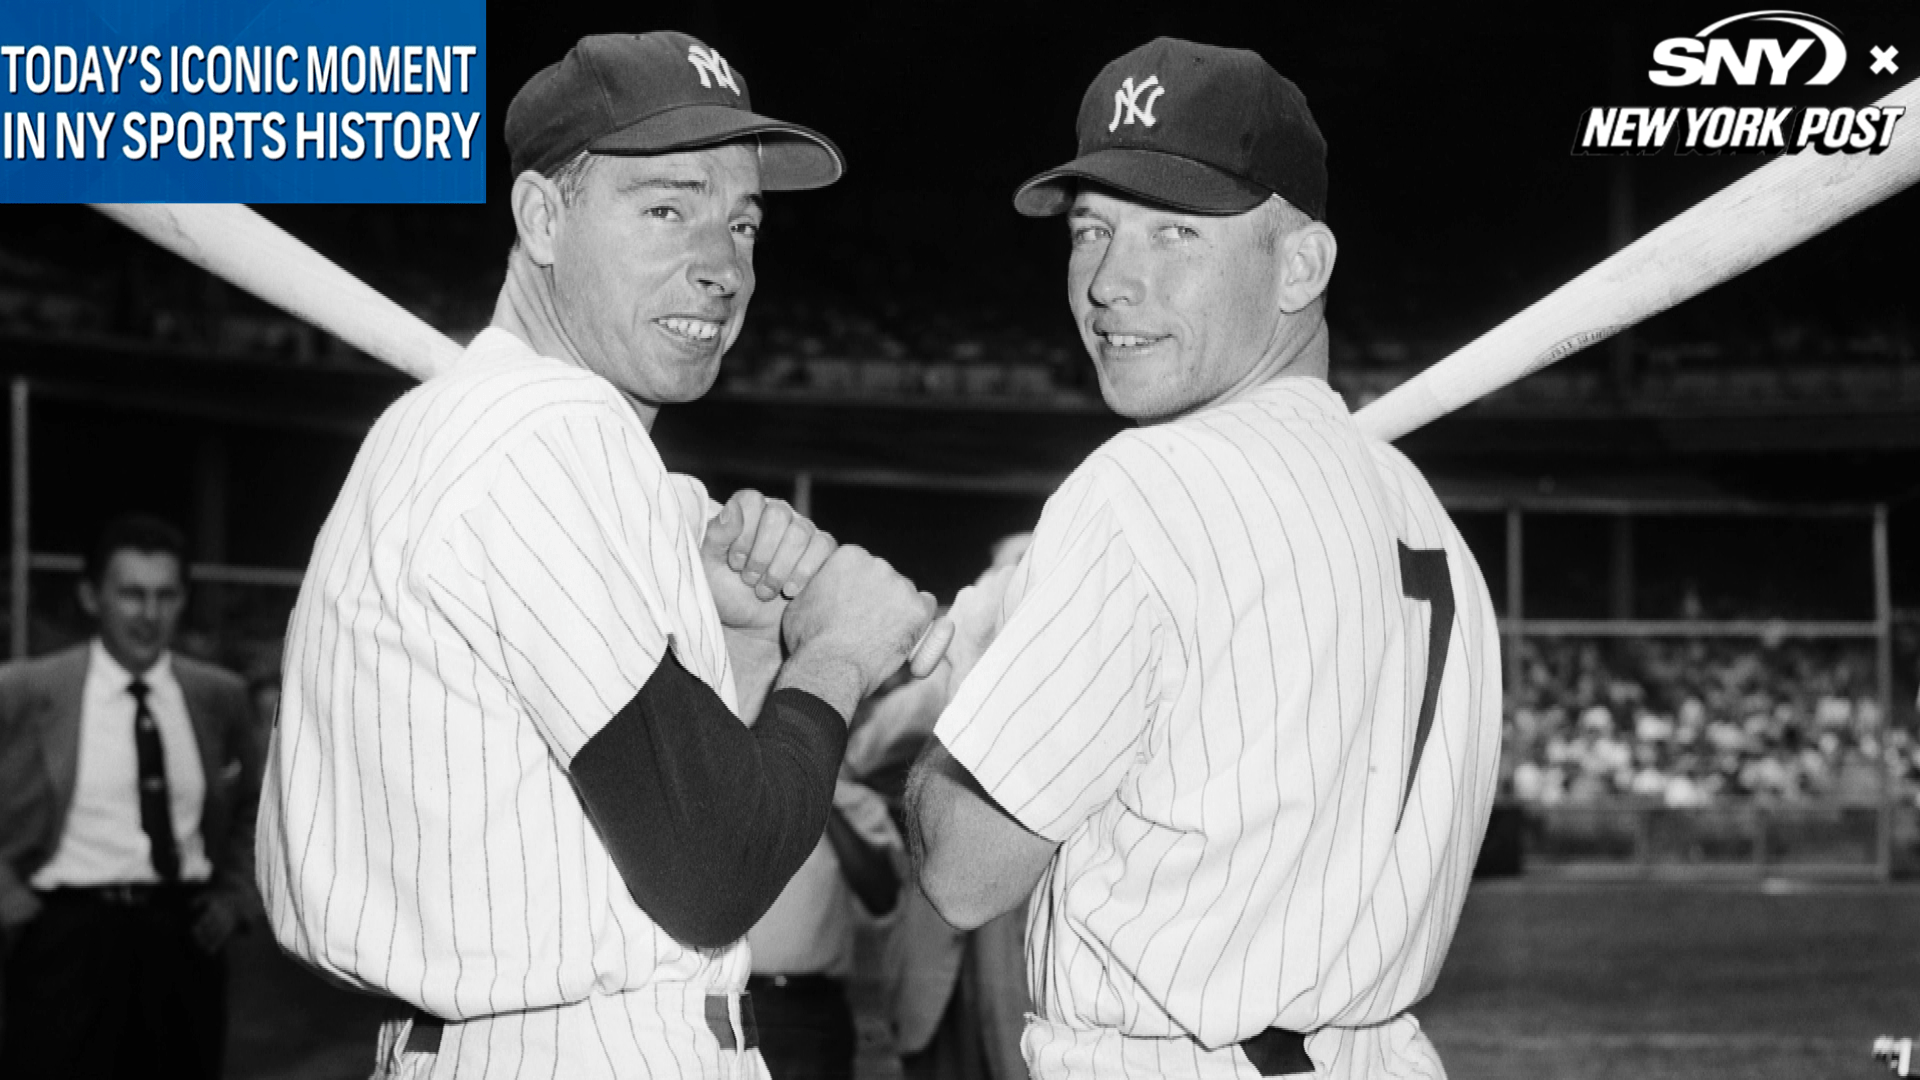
1741 837
1729 838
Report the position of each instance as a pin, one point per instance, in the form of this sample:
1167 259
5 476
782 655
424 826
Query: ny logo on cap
1126 102
709 62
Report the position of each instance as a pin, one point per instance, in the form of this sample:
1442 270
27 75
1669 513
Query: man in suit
804 950
129 778
959 997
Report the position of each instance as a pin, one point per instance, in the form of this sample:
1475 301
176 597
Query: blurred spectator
803 946
264 691
1686 722
128 781
959 999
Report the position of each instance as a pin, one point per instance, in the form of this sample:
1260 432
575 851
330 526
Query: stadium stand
1685 723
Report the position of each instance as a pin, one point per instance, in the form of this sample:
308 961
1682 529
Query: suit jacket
923 963
40 702
923 956
924 966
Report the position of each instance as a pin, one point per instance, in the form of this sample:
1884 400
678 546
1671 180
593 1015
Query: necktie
156 811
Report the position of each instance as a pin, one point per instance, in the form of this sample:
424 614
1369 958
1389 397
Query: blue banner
243 101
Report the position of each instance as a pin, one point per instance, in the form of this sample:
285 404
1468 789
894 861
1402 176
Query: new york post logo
1752 49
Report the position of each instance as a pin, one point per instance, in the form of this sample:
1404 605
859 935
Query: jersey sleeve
1056 711
697 505
562 554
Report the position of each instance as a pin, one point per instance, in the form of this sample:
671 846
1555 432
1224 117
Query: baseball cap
1194 127
651 94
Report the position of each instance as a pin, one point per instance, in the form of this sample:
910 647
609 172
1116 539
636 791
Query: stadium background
1703 535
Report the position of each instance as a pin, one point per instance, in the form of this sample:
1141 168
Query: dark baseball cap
1194 127
653 94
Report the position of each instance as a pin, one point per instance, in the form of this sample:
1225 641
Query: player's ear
1306 254
537 206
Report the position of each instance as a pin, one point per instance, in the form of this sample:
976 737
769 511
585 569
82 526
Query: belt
424 1036
1278 1052
125 895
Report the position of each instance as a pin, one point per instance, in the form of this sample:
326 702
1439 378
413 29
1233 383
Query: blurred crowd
1688 722
900 349
55 283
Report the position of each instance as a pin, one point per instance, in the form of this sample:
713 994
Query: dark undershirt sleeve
706 818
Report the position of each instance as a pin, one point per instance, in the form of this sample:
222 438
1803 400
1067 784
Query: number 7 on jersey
1424 576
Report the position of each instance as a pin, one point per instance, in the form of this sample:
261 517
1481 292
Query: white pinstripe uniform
1207 689
505 567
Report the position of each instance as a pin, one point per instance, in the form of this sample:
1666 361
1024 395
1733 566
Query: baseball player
1239 723
510 786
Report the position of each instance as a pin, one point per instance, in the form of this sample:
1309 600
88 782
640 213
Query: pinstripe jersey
505 567
1208 688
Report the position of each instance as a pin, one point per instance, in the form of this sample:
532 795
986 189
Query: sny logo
1747 129
709 62
1699 60
1126 102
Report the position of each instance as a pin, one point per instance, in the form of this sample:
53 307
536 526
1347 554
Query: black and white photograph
988 542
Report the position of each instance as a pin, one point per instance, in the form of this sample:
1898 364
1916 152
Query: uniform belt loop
730 1018
424 1036
1278 1052
720 1021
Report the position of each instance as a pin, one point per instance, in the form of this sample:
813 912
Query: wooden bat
242 248
1744 224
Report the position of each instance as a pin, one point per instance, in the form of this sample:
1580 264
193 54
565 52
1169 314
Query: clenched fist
853 625
759 553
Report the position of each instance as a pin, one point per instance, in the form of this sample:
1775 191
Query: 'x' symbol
1883 59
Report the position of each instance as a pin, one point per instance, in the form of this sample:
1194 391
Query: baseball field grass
1755 981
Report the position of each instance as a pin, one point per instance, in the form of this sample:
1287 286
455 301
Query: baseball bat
244 249
239 246
1744 224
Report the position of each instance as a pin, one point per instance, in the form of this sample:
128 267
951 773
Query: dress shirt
102 842
809 929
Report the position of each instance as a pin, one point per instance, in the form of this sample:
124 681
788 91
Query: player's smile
691 329
1129 343
1138 354
1119 337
